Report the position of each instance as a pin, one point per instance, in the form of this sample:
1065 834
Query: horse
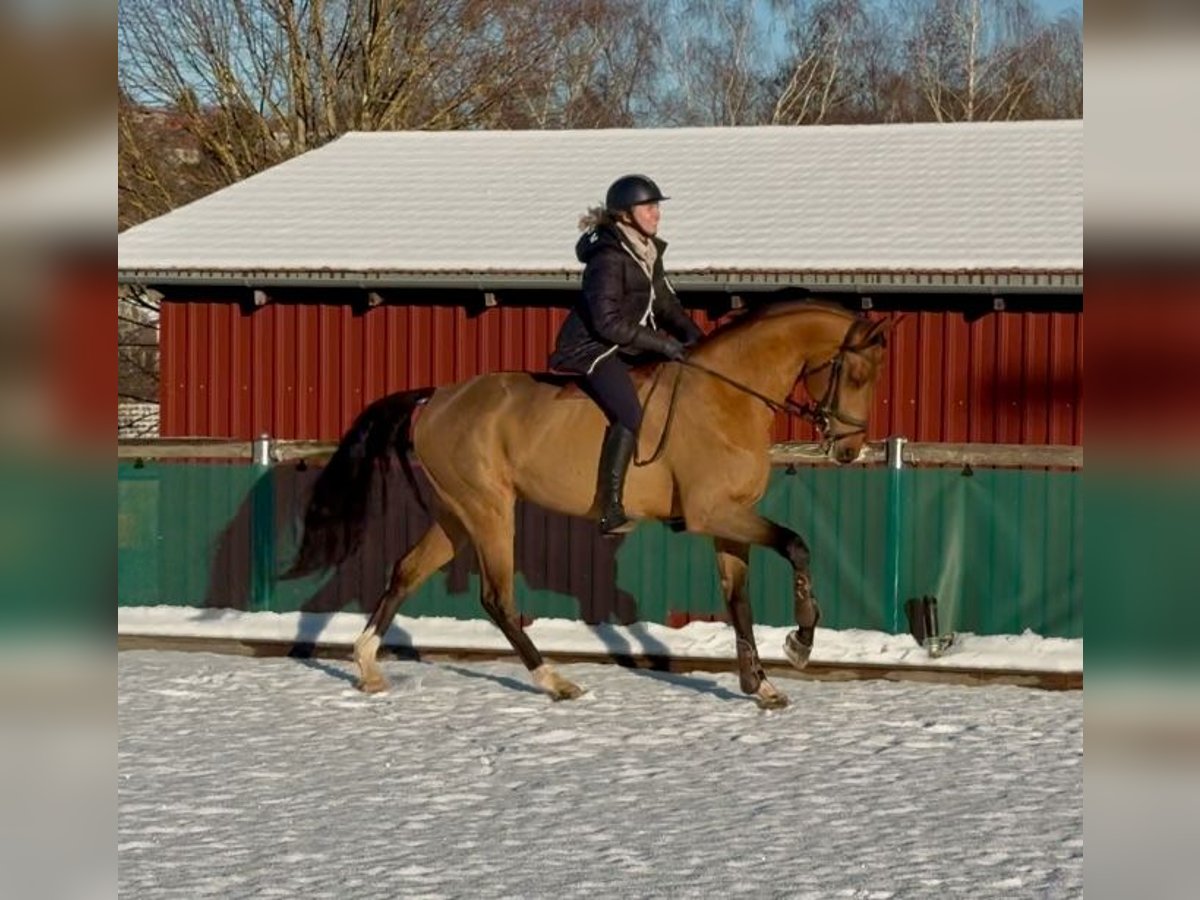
702 463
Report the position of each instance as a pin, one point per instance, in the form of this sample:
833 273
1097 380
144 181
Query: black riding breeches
611 386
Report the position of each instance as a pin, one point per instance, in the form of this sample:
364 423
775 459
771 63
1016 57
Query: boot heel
618 528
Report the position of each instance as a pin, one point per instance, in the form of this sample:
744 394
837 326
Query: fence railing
993 529
1057 456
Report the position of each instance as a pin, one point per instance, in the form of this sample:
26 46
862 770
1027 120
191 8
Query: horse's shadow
311 662
502 680
340 673
560 554
699 685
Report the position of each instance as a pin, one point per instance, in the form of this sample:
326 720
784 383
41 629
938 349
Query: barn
385 261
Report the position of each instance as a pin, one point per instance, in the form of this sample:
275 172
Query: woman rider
627 309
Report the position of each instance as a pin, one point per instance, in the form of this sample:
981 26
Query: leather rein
822 413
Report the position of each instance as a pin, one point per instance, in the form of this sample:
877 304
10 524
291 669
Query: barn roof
971 205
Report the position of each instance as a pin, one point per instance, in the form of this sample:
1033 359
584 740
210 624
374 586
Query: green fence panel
840 514
181 540
1000 549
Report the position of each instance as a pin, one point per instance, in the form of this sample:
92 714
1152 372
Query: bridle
825 410
822 412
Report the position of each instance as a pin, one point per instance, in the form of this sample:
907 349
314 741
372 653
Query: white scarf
645 251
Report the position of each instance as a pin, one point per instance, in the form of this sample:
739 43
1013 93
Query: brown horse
703 459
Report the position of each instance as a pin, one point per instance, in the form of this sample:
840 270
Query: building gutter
1009 282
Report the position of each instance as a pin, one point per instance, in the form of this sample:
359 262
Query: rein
821 414
788 406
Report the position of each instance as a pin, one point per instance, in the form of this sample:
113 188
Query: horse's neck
769 354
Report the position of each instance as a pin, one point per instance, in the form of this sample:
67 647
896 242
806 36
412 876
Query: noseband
824 412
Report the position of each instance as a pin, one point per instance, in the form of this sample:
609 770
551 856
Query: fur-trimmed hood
602 235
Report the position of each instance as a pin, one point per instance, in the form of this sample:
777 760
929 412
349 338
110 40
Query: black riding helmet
630 190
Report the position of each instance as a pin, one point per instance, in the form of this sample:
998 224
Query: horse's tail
337 510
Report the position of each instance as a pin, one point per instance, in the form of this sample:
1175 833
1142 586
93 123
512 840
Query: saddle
569 384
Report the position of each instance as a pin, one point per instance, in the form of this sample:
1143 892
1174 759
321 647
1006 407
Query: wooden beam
919 454
796 453
183 448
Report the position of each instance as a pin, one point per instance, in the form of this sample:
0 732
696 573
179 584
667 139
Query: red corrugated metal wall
304 370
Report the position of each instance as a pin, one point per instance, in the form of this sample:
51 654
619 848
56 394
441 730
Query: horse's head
843 387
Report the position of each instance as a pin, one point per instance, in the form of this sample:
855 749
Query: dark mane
779 308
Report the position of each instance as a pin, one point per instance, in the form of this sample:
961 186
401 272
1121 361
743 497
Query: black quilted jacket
612 304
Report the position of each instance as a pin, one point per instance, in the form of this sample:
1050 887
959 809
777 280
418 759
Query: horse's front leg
733 565
799 643
741 525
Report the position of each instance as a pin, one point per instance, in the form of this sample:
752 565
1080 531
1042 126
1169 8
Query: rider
627 308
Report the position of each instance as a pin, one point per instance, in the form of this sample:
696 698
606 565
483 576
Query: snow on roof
974 197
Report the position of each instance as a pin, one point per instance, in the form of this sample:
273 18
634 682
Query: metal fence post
262 526
894 544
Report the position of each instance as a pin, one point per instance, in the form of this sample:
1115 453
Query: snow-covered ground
707 640
274 778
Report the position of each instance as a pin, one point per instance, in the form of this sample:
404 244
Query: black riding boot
615 454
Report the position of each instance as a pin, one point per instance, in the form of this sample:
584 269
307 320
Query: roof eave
984 281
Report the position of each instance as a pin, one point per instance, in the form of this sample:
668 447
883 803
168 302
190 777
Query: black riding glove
662 344
672 349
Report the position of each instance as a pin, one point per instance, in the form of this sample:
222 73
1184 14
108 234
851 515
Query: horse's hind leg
430 553
733 564
493 536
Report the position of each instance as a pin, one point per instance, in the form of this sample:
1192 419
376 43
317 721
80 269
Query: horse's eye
857 375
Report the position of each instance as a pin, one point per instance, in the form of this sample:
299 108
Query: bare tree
815 81
244 84
781 62
596 67
714 63
974 60
137 346
1059 89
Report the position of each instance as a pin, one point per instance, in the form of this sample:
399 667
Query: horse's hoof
567 691
769 698
796 650
376 685
555 686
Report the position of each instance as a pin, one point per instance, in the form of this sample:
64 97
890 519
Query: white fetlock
559 688
370 676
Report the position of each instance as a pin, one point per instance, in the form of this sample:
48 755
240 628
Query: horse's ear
879 330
